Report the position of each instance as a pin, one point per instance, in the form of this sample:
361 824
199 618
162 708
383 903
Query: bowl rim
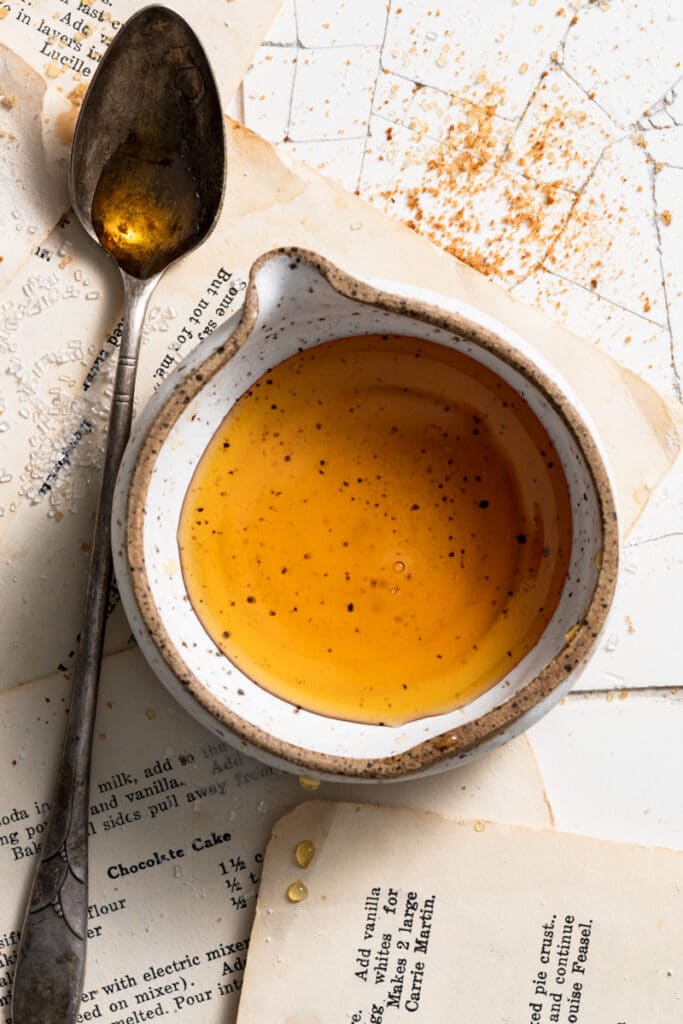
456 743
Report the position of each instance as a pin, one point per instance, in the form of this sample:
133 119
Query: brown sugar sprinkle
468 163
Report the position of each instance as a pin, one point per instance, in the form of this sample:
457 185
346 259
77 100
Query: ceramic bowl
297 299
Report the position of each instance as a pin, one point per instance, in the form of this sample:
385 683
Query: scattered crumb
53 70
666 216
8 102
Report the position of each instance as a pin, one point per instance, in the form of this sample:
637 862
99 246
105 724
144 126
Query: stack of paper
179 821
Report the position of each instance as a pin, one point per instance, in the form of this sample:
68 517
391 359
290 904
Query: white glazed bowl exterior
295 307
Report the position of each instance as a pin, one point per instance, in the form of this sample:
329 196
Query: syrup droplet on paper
308 784
297 892
305 852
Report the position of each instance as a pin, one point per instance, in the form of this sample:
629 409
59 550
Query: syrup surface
379 530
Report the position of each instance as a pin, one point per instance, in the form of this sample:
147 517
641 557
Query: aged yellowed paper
178 823
409 917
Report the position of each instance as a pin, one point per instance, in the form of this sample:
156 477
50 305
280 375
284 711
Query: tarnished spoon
146 179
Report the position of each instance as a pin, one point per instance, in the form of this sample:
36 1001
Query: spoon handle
48 978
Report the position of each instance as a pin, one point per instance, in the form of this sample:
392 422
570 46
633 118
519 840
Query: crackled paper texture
409 917
541 143
178 825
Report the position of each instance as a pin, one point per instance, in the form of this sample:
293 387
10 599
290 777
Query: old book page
33 161
179 823
409 917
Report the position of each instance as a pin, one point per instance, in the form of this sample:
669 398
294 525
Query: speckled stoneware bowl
297 299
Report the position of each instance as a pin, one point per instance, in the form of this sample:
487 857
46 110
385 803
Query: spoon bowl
149 148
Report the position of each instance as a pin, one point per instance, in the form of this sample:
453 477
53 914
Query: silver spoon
146 180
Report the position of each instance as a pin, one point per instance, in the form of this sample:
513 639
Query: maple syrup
379 530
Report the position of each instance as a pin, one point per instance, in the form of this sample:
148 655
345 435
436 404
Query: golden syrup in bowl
379 530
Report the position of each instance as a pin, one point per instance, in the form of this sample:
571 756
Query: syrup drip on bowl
147 207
